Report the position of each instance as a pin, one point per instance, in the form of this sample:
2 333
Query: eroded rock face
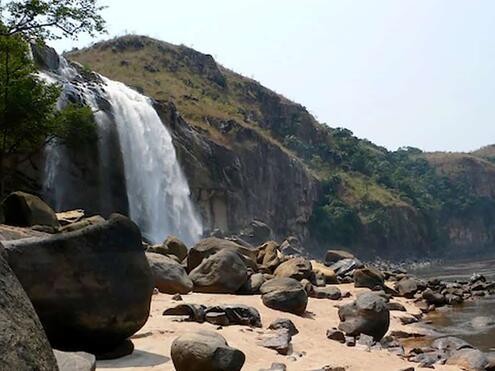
298 268
368 314
210 246
368 277
284 294
23 342
25 210
205 351
170 277
221 273
91 288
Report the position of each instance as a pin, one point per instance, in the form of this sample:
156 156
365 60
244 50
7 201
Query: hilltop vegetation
362 185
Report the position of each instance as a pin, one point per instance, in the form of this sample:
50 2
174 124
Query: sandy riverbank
153 341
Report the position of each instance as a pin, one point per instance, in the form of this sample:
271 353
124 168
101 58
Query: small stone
284 323
350 341
177 297
335 334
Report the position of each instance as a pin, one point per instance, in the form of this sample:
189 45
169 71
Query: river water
456 321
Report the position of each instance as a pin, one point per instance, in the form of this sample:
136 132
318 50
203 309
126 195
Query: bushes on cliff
29 118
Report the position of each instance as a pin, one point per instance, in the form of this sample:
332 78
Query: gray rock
205 351
221 273
482 323
396 306
276 367
278 340
346 267
170 277
407 287
450 344
368 277
194 312
469 359
91 288
284 294
75 361
252 285
210 246
328 292
23 342
337 335
236 314
298 268
333 256
284 323
368 314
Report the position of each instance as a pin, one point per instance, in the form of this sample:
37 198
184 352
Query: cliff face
252 179
471 231
249 153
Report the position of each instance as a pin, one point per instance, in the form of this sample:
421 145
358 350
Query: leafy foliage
46 19
29 117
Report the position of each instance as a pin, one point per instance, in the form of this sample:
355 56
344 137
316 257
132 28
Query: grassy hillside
363 184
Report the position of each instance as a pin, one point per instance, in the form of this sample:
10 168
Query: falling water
157 190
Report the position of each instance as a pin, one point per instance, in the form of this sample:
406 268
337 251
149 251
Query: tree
29 118
47 19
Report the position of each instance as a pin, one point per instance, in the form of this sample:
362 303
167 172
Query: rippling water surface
457 321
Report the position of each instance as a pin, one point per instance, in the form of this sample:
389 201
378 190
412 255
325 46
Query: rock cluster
85 285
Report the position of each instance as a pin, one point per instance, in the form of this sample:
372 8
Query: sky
415 73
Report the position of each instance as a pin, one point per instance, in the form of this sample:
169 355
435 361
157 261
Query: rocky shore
87 293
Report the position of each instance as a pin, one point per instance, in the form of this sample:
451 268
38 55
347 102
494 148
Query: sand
311 349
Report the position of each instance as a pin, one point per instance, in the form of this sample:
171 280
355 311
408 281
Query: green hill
369 198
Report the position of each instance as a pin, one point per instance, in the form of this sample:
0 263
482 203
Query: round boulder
25 210
91 288
170 277
368 315
23 342
205 351
210 246
368 277
221 273
333 256
284 294
298 268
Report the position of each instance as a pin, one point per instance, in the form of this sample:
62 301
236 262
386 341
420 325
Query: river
456 321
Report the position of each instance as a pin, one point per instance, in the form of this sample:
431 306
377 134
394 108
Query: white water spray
157 190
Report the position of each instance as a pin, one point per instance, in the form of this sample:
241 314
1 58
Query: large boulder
222 273
368 315
407 287
284 294
209 246
75 361
172 246
346 267
205 351
25 210
469 359
368 277
333 256
170 277
298 268
327 273
269 255
91 288
23 342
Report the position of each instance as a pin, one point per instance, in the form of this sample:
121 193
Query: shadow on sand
139 358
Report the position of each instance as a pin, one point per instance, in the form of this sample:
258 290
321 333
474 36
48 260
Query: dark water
456 321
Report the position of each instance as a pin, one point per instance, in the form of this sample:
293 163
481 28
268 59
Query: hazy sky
398 72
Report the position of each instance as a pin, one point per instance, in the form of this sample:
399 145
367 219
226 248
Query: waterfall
157 190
